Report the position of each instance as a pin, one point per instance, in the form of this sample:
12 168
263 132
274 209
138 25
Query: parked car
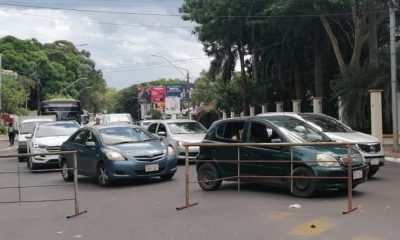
117 152
145 123
26 127
175 133
319 161
369 146
46 138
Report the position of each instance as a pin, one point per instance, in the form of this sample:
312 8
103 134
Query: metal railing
19 186
239 162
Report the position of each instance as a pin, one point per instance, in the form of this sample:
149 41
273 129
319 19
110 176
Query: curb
394 160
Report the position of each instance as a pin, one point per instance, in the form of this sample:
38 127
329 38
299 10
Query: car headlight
171 151
37 145
179 143
326 160
115 156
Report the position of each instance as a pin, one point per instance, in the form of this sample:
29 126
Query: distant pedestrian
97 121
11 133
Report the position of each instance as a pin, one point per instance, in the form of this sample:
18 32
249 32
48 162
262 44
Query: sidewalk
391 156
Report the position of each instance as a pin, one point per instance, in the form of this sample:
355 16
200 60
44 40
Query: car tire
372 171
302 187
30 164
208 172
66 173
167 176
103 178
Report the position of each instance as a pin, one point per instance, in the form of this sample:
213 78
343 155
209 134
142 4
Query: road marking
312 228
366 238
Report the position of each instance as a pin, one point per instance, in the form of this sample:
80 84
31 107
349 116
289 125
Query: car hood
355 137
140 148
189 138
51 141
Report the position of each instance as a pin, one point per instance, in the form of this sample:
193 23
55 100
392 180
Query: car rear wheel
302 187
167 176
67 174
103 178
207 176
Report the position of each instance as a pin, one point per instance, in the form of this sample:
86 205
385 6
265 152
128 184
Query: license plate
357 174
374 161
151 167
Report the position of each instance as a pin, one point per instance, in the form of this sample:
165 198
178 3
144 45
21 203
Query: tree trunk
334 41
243 79
297 82
318 74
373 35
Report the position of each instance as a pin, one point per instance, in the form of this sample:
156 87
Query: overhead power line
178 15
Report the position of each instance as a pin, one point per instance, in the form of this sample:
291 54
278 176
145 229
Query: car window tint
79 137
161 128
117 135
186 128
327 124
152 128
231 130
259 133
91 137
220 130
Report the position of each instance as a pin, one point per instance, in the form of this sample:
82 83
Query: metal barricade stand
349 177
19 187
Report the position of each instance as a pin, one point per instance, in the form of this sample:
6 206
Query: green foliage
50 67
155 114
13 94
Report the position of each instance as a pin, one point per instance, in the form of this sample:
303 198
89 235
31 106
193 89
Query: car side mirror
28 135
162 134
90 144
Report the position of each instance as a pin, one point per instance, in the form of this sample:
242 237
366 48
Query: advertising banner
144 95
183 90
173 90
173 105
157 94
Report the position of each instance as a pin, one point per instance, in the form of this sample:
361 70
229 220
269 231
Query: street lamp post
70 85
176 67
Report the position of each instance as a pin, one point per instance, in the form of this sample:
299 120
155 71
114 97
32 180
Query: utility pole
187 76
393 64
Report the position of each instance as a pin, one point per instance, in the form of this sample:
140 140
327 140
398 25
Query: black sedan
117 152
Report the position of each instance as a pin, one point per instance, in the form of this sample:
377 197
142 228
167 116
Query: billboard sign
157 94
173 105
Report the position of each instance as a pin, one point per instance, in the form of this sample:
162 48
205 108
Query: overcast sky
120 44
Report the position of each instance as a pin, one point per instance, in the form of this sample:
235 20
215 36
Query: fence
19 187
349 177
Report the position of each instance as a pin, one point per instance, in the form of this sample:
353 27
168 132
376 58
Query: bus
63 108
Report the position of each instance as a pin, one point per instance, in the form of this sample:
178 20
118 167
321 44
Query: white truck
25 127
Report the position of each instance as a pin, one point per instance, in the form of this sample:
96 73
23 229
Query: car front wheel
302 187
103 178
67 174
208 177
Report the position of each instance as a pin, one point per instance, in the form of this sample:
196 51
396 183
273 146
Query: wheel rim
302 183
208 175
65 171
103 177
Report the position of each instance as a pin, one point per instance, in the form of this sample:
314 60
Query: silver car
369 146
46 138
176 132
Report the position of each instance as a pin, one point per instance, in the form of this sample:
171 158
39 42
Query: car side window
259 133
161 128
91 137
152 128
79 137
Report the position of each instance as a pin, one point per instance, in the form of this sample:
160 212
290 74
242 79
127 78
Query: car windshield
56 129
186 128
27 127
124 134
298 130
327 124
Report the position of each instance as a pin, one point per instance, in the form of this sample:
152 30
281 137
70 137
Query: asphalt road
146 210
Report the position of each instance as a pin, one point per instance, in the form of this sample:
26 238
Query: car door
76 143
91 153
261 132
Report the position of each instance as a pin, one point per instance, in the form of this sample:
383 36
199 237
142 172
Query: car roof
173 120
